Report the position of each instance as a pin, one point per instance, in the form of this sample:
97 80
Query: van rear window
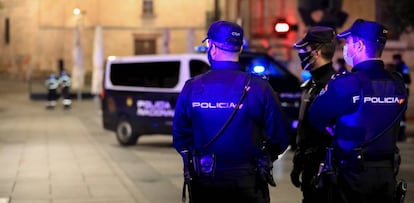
153 74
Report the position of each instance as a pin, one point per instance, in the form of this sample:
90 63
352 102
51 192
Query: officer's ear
212 47
317 52
359 44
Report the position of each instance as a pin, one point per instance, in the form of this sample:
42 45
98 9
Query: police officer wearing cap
363 110
225 139
316 50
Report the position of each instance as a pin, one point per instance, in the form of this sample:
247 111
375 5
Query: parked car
139 92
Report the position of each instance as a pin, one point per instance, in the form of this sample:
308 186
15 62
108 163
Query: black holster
400 191
327 172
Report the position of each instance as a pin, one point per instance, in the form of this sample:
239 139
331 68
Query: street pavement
65 156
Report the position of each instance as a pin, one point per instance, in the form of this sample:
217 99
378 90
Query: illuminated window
147 7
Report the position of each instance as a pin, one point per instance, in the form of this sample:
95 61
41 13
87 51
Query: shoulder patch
334 77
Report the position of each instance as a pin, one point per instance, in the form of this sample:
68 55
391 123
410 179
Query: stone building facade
41 32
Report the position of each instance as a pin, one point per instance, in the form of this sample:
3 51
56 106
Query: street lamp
76 11
77 54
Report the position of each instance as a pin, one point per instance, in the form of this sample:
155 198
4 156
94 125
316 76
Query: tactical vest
380 104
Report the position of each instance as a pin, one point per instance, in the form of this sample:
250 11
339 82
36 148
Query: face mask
348 59
305 60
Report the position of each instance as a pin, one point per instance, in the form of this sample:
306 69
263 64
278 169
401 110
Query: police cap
369 30
316 34
228 35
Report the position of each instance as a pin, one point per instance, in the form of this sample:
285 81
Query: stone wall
42 31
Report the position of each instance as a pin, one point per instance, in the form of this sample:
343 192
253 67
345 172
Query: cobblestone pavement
65 156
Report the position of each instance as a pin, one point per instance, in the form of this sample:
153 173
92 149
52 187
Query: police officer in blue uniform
228 166
316 51
363 109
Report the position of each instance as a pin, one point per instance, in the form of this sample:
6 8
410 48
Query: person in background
316 51
401 67
52 85
65 83
362 110
231 123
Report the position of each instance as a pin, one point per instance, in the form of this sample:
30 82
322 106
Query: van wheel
125 134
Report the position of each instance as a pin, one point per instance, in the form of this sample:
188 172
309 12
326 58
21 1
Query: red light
282 27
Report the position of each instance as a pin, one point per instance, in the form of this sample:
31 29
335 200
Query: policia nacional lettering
154 108
379 100
215 105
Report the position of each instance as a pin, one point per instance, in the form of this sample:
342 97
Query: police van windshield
163 74
145 74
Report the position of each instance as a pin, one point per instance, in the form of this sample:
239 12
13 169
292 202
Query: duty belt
368 164
352 158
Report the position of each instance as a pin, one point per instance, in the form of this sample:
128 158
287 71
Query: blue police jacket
361 105
207 101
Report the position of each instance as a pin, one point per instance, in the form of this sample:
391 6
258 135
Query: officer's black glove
298 161
265 170
186 166
295 178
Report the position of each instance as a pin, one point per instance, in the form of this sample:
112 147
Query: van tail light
102 94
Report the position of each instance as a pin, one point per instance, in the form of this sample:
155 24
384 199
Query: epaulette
334 77
340 75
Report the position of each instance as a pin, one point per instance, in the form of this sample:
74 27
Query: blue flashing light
200 49
258 69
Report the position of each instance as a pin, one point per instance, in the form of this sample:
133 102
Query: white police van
140 92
